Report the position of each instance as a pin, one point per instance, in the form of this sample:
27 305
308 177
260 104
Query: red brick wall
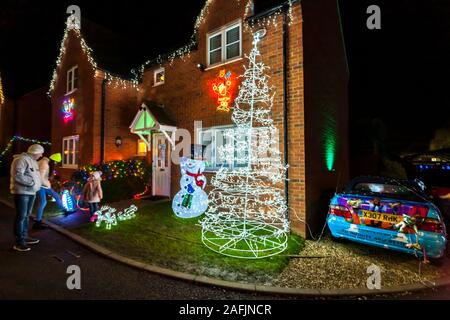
83 123
326 107
186 96
121 108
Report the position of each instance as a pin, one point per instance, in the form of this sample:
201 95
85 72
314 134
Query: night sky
398 75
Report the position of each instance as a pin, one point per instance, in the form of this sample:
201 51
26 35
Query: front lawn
158 237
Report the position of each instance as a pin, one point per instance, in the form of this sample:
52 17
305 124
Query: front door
161 165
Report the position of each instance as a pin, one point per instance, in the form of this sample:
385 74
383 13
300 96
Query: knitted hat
97 175
36 149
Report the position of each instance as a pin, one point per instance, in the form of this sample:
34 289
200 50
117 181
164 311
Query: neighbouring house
28 118
302 45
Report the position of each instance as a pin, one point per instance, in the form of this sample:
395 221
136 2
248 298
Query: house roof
150 117
159 113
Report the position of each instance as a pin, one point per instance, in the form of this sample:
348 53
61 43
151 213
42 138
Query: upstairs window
159 77
225 45
72 79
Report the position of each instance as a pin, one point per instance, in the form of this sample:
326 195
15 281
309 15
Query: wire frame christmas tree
247 216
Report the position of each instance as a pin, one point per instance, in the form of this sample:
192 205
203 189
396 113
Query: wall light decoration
68 110
222 88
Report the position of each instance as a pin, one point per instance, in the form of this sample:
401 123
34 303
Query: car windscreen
387 190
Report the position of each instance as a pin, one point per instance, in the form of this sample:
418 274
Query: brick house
92 107
302 45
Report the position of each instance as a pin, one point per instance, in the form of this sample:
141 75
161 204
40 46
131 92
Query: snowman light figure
192 200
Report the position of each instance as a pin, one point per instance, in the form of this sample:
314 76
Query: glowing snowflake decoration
247 216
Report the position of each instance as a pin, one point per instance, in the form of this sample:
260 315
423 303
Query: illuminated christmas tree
247 215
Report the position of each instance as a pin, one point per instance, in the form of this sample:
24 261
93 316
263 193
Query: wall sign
222 89
68 110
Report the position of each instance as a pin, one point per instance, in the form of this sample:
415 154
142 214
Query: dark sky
398 74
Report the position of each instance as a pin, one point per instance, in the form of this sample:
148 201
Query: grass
157 236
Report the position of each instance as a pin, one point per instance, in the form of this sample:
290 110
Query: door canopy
152 118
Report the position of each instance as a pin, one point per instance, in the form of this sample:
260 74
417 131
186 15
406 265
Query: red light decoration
68 110
222 88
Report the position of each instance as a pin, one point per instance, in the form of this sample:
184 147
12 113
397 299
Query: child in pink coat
93 193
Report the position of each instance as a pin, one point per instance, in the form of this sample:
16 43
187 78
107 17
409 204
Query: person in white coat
24 184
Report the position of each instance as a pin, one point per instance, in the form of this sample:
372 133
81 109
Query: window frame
214 130
155 72
223 31
75 146
70 85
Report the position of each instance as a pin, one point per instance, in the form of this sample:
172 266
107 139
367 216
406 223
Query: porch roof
151 117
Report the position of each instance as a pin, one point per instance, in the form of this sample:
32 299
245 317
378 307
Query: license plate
383 217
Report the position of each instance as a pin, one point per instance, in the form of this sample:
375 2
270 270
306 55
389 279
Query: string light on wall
73 25
21 139
186 50
2 97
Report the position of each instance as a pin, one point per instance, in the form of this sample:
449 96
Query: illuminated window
225 45
72 79
142 148
159 76
70 152
212 140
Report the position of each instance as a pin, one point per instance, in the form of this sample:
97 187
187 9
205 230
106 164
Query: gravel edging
235 285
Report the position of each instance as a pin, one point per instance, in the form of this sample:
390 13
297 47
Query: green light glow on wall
330 151
329 136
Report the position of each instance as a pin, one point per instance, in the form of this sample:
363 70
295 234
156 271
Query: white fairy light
73 24
247 212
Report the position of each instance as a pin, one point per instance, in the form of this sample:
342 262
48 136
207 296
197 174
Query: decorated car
390 214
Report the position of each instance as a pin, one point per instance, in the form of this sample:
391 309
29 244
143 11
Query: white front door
161 165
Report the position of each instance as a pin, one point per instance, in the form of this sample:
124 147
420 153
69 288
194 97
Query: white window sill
71 92
70 167
223 63
158 84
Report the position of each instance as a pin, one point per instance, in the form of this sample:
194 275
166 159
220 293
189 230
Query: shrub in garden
121 179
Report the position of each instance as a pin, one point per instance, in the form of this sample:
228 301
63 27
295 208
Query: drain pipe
102 123
285 104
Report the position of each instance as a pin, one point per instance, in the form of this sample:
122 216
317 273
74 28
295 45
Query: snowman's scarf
196 176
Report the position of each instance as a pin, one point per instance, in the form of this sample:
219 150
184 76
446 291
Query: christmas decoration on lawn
247 216
222 89
67 201
191 201
109 216
21 139
68 110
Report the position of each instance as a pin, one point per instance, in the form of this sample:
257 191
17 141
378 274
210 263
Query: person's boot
39 225
21 248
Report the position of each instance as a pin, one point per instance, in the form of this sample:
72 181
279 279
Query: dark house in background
27 117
